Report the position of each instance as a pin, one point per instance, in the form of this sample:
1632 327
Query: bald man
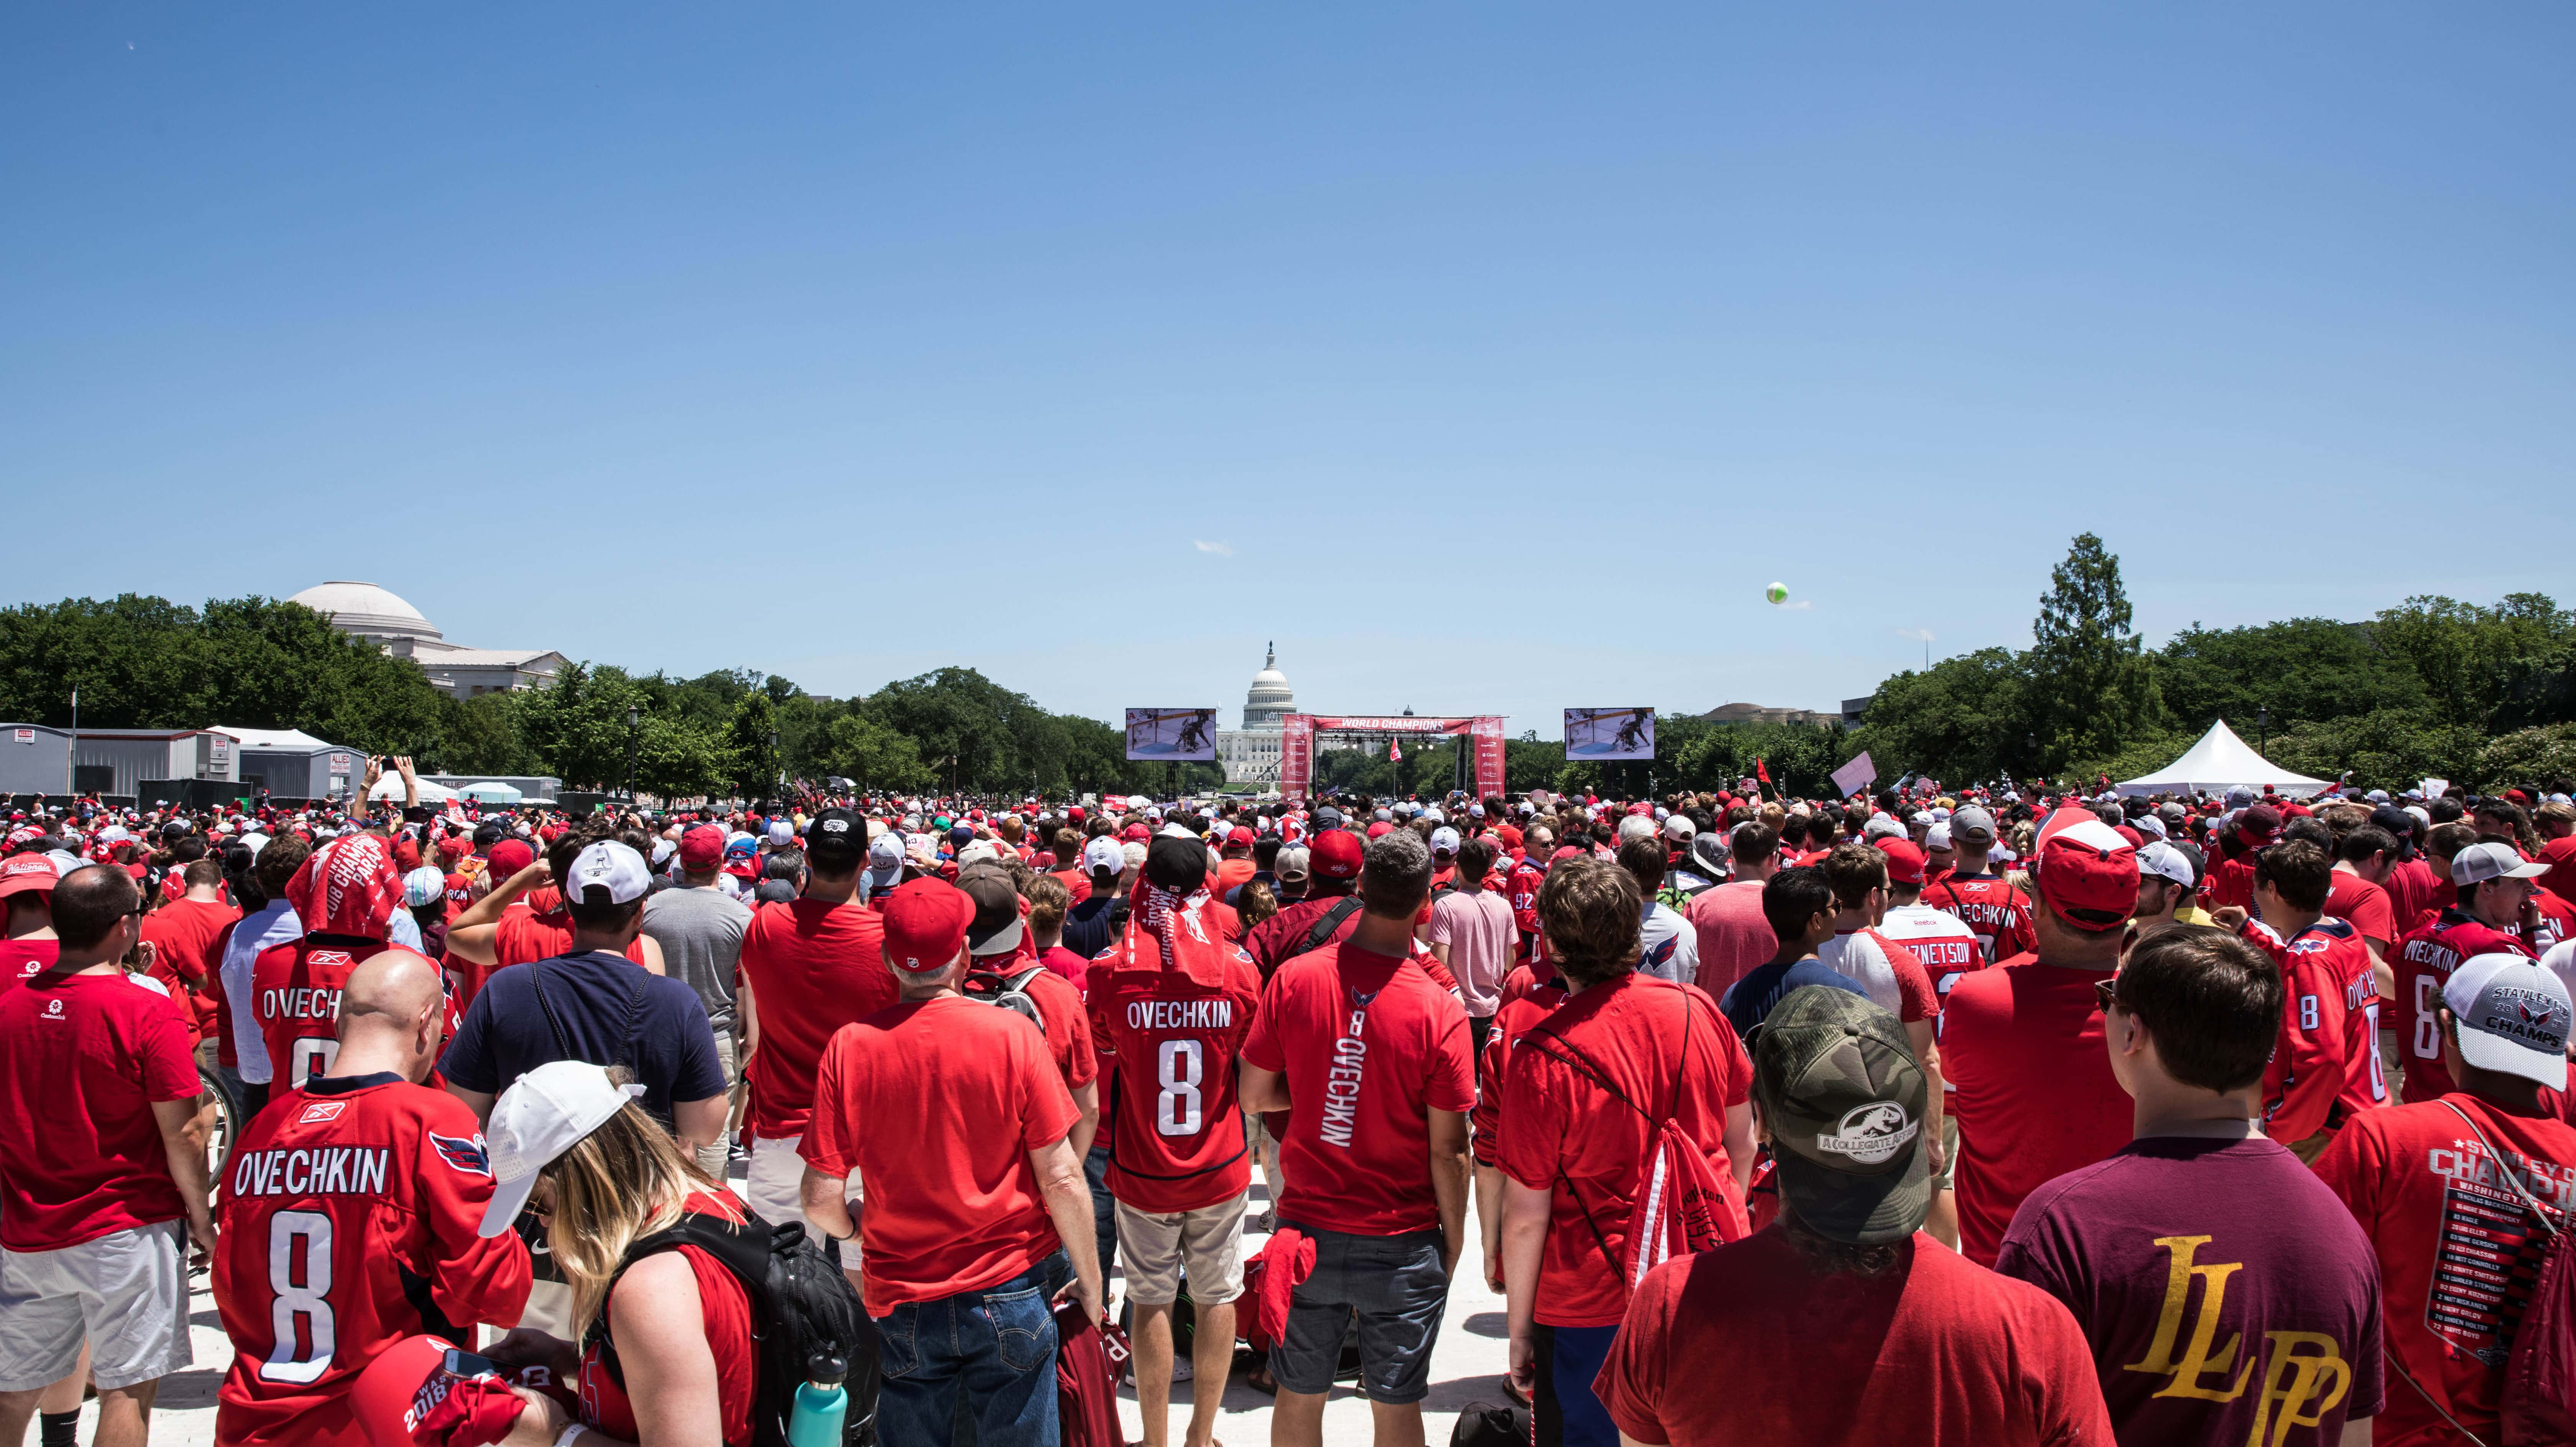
351 1219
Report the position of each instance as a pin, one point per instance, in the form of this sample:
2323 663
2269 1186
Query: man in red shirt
1893 1337
2556 824
27 891
2231 880
976 1210
809 966
105 1183
2022 1042
1331 905
351 1220
2445 1190
1985 901
1173 1001
346 894
1370 1058
2325 1066
1528 872
183 935
2493 889
1589 1092
1733 937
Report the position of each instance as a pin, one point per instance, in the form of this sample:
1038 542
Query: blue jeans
1580 1353
986 1355
1104 1211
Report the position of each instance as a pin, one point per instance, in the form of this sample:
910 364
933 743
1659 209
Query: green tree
863 749
2543 756
2091 691
1963 719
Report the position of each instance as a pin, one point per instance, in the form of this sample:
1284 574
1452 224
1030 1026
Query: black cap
837 839
1176 864
1844 1099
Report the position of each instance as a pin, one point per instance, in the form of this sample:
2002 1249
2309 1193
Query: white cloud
1919 635
1220 549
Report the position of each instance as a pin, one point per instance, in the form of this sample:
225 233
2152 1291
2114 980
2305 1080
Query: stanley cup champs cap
2512 1015
1843 1098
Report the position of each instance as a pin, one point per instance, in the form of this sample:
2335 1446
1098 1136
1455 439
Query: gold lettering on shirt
2183 1377
2304 1385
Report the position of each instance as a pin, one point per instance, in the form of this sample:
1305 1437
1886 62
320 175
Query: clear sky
1489 357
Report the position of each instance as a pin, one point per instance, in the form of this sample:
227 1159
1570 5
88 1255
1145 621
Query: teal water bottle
821 1403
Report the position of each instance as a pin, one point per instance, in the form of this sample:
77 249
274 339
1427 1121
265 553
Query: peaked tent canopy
2221 761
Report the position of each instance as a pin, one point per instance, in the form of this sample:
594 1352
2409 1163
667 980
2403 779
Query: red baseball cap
1241 838
925 924
1380 829
702 848
1904 861
509 857
1136 833
2084 871
1336 854
27 873
410 1396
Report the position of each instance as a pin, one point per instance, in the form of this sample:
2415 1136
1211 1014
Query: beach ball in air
1777 592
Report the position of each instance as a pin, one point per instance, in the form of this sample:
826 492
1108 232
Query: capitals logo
2538 1019
468 1157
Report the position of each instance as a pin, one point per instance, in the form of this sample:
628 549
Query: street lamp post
633 716
777 769
2262 727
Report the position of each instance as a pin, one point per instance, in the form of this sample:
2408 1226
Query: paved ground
1465 1368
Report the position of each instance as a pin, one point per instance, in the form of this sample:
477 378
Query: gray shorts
125 1293
1395 1286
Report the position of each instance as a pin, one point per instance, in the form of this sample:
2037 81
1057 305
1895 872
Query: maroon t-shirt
2152 1247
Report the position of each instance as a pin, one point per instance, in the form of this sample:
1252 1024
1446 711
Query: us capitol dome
1251 754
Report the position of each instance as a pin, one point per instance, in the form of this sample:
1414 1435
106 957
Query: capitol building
375 614
1250 754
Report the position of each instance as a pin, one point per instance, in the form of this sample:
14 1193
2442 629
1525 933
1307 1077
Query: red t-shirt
1075 881
295 997
2021 1046
1667 1050
1231 872
1179 1141
2458 1248
1526 1000
2365 906
2424 963
727 1307
952 1199
22 960
813 967
349 1222
2230 884
1370 1045
2560 856
1992 908
183 935
1060 1014
1936 1351
83 1059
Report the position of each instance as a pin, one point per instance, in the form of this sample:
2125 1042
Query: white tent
2219 762
493 792
391 787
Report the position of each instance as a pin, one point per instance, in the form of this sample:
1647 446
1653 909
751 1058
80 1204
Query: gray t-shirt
700 932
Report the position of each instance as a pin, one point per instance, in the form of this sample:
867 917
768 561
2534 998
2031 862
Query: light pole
2262 727
777 769
633 714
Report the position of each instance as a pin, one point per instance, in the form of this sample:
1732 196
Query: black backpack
1010 992
802 1308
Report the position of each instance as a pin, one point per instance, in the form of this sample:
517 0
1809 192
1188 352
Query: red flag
1393 753
1761 771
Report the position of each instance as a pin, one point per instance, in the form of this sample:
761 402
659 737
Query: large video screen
1609 733
1172 735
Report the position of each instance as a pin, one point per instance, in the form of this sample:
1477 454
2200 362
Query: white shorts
774 1189
125 1293
1207 1243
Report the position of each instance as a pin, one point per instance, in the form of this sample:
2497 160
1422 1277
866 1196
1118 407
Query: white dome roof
1269 696
366 608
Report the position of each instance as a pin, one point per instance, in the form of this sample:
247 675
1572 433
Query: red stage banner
1297 744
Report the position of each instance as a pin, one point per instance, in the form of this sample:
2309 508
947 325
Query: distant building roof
272 738
366 608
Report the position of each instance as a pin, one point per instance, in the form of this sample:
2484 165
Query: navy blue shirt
610 1010
1749 1000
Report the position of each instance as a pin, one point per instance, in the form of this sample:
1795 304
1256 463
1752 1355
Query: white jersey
1671 945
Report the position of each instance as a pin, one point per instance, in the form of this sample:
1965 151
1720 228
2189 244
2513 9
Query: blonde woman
571 1142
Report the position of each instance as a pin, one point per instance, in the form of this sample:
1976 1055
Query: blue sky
1489 357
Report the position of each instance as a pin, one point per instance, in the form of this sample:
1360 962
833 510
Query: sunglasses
2106 993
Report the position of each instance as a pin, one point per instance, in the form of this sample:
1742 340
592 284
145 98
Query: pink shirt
1734 938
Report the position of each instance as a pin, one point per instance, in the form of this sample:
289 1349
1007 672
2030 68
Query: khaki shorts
1949 1150
125 1293
774 1189
1206 1243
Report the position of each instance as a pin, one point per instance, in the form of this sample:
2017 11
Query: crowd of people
2013 1115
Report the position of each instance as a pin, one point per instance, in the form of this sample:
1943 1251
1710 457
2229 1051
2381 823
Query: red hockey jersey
295 996
350 1209
1996 912
1173 1121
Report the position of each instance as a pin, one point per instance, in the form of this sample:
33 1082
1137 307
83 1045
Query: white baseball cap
543 1114
2481 862
1937 837
1679 828
611 866
2163 859
2513 1016
1103 856
1444 840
